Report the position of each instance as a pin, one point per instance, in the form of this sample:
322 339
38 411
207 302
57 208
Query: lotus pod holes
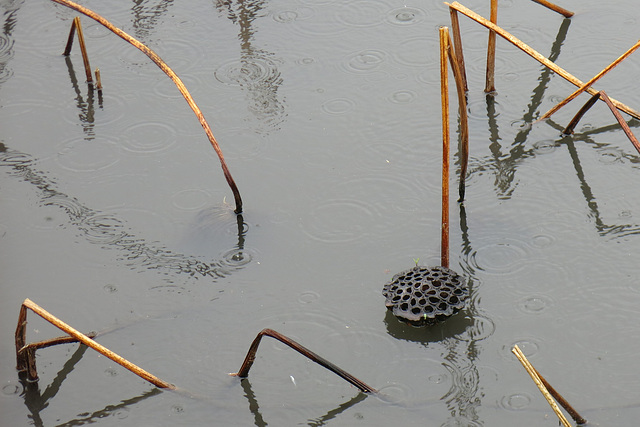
425 295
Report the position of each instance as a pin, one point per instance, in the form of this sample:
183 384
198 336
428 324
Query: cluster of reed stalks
450 53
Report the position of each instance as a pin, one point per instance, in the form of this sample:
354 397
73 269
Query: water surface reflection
110 232
256 71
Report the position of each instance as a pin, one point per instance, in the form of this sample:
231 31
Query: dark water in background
114 214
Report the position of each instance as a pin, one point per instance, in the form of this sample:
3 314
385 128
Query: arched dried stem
174 77
253 349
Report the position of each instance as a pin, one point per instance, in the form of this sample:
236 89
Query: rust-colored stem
83 49
555 8
490 85
535 55
464 119
174 77
54 341
573 123
98 79
88 342
548 391
21 339
457 44
251 356
536 379
72 32
562 401
591 82
618 116
444 94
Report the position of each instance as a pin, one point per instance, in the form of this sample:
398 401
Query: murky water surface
115 216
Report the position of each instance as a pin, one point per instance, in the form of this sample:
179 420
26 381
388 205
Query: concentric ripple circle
247 71
339 221
406 16
149 137
87 156
365 61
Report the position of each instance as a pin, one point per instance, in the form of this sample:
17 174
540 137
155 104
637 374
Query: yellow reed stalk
535 55
490 85
444 94
91 343
536 379
590 82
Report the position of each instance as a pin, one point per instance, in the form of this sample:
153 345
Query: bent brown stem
574 122
457 46
251 357
562 11
625 126
54 341
561 400
464 118
174 77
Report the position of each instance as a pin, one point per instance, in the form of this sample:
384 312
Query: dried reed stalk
457 45
490 85
444 94
625 126
591 82
555 8
251 357
174 77
98 80
84 339
55 341
77 26
536 379
534 54
572 124
464 117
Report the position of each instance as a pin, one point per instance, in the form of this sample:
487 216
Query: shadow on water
36 401
110 232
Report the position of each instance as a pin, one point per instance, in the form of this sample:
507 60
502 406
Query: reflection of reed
505 165
257 70
110 232
146 16
259 421
86 108
36 401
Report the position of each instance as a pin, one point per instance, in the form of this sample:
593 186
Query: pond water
115 216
